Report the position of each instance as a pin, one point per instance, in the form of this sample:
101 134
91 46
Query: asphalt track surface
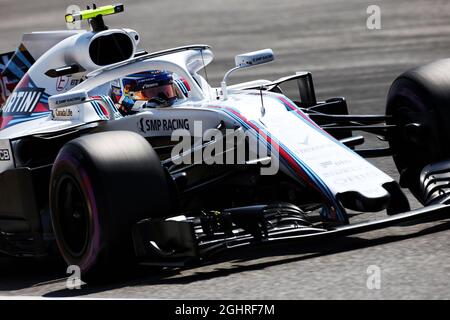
328 38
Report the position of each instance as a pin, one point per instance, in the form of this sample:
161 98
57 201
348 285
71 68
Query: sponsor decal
70 100
28 102
61 83
146 125
4 155
66 82
66 113
259 59
150 85
23 101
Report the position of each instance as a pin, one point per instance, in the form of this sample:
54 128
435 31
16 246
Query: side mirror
254 58
246 60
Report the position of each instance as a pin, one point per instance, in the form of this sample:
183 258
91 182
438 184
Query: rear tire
101 185
419 102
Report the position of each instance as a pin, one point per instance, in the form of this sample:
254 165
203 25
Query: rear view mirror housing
246 60
254 58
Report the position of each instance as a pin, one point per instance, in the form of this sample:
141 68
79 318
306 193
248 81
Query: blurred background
329 38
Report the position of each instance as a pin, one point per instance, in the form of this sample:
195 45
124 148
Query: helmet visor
165 91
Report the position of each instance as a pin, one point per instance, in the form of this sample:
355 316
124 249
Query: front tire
419 103
101 185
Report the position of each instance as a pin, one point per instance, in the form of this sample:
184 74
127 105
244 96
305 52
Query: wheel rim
73 216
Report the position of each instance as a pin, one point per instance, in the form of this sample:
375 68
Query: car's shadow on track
244 260
20 273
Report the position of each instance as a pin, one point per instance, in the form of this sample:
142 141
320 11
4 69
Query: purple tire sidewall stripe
94 233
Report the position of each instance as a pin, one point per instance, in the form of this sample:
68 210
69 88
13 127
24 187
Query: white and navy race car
219 168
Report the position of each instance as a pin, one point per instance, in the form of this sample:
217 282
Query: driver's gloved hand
126 105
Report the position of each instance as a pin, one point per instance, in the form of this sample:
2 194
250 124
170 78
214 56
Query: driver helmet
155 88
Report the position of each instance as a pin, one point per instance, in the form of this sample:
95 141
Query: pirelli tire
419 103
100 186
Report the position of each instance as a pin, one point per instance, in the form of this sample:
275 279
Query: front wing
182 241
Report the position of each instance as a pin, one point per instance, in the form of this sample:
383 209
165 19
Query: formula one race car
216 168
